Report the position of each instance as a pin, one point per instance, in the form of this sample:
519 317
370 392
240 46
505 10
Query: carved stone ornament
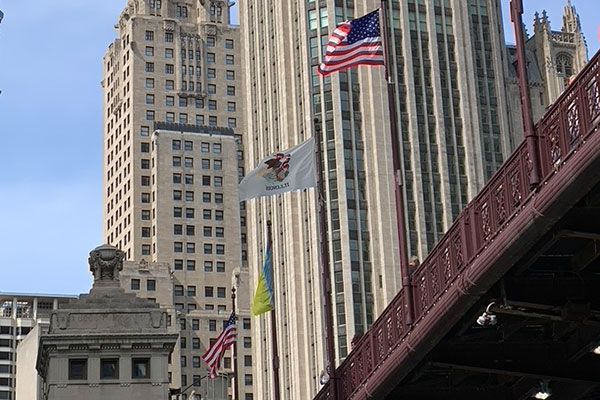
105 263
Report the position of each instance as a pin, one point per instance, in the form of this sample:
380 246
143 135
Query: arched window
564 65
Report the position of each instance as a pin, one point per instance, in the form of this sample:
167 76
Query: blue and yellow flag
263 295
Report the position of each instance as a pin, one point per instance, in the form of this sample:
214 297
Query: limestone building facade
455 128
172 157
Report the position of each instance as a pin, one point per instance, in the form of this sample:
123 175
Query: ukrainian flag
263 295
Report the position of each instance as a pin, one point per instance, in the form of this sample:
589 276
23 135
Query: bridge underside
548 323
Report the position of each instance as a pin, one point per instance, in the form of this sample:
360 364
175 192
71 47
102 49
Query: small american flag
214 353
352 43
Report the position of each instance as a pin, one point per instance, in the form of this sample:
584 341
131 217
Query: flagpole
398 186
274 345
236 390
325 272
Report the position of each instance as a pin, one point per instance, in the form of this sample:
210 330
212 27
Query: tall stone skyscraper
172 155
448 68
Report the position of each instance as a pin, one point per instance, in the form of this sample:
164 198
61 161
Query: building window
218 198
212 325
177 229
229 59
246 323
196 362
211 73
247 361
208 291
145 163
210 58
229 43
183 118
177 195
206 214
210 41
149 35
219 232
190 248
176 161
145 197
149 67
195 324
178 290
177 211
178 264
145 180
145 232
248 379
212 105
217 148
230 90
149 83
189 162
190 230
169 84
169 37
208 266
195 343
220 266
140 368
135 284
151 285
230 75
231 122
247 342
211 89
77 369
168 53
170 101
189 213
207 231
207 248
176 145
169 69
109 368
149 51
220 249
191 291
170 117
177 247
189 196
206 180
150 115
221 292
144 130
183 362
145 215
219 215
145 249
191 265
188 145
231 106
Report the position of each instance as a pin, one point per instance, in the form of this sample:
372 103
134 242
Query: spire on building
571 21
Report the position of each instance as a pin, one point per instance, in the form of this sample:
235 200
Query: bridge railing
561 131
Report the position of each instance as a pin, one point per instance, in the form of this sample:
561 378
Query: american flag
354 42
214 353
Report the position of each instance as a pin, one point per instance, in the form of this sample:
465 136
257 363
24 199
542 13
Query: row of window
178 195
188 145
211 41
170 68
188 162
150 284
209 266
184 101
190 248
190 230
213 120
109 368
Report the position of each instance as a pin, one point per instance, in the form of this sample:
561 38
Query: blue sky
51 134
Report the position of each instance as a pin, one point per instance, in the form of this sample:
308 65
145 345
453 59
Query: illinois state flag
293 169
